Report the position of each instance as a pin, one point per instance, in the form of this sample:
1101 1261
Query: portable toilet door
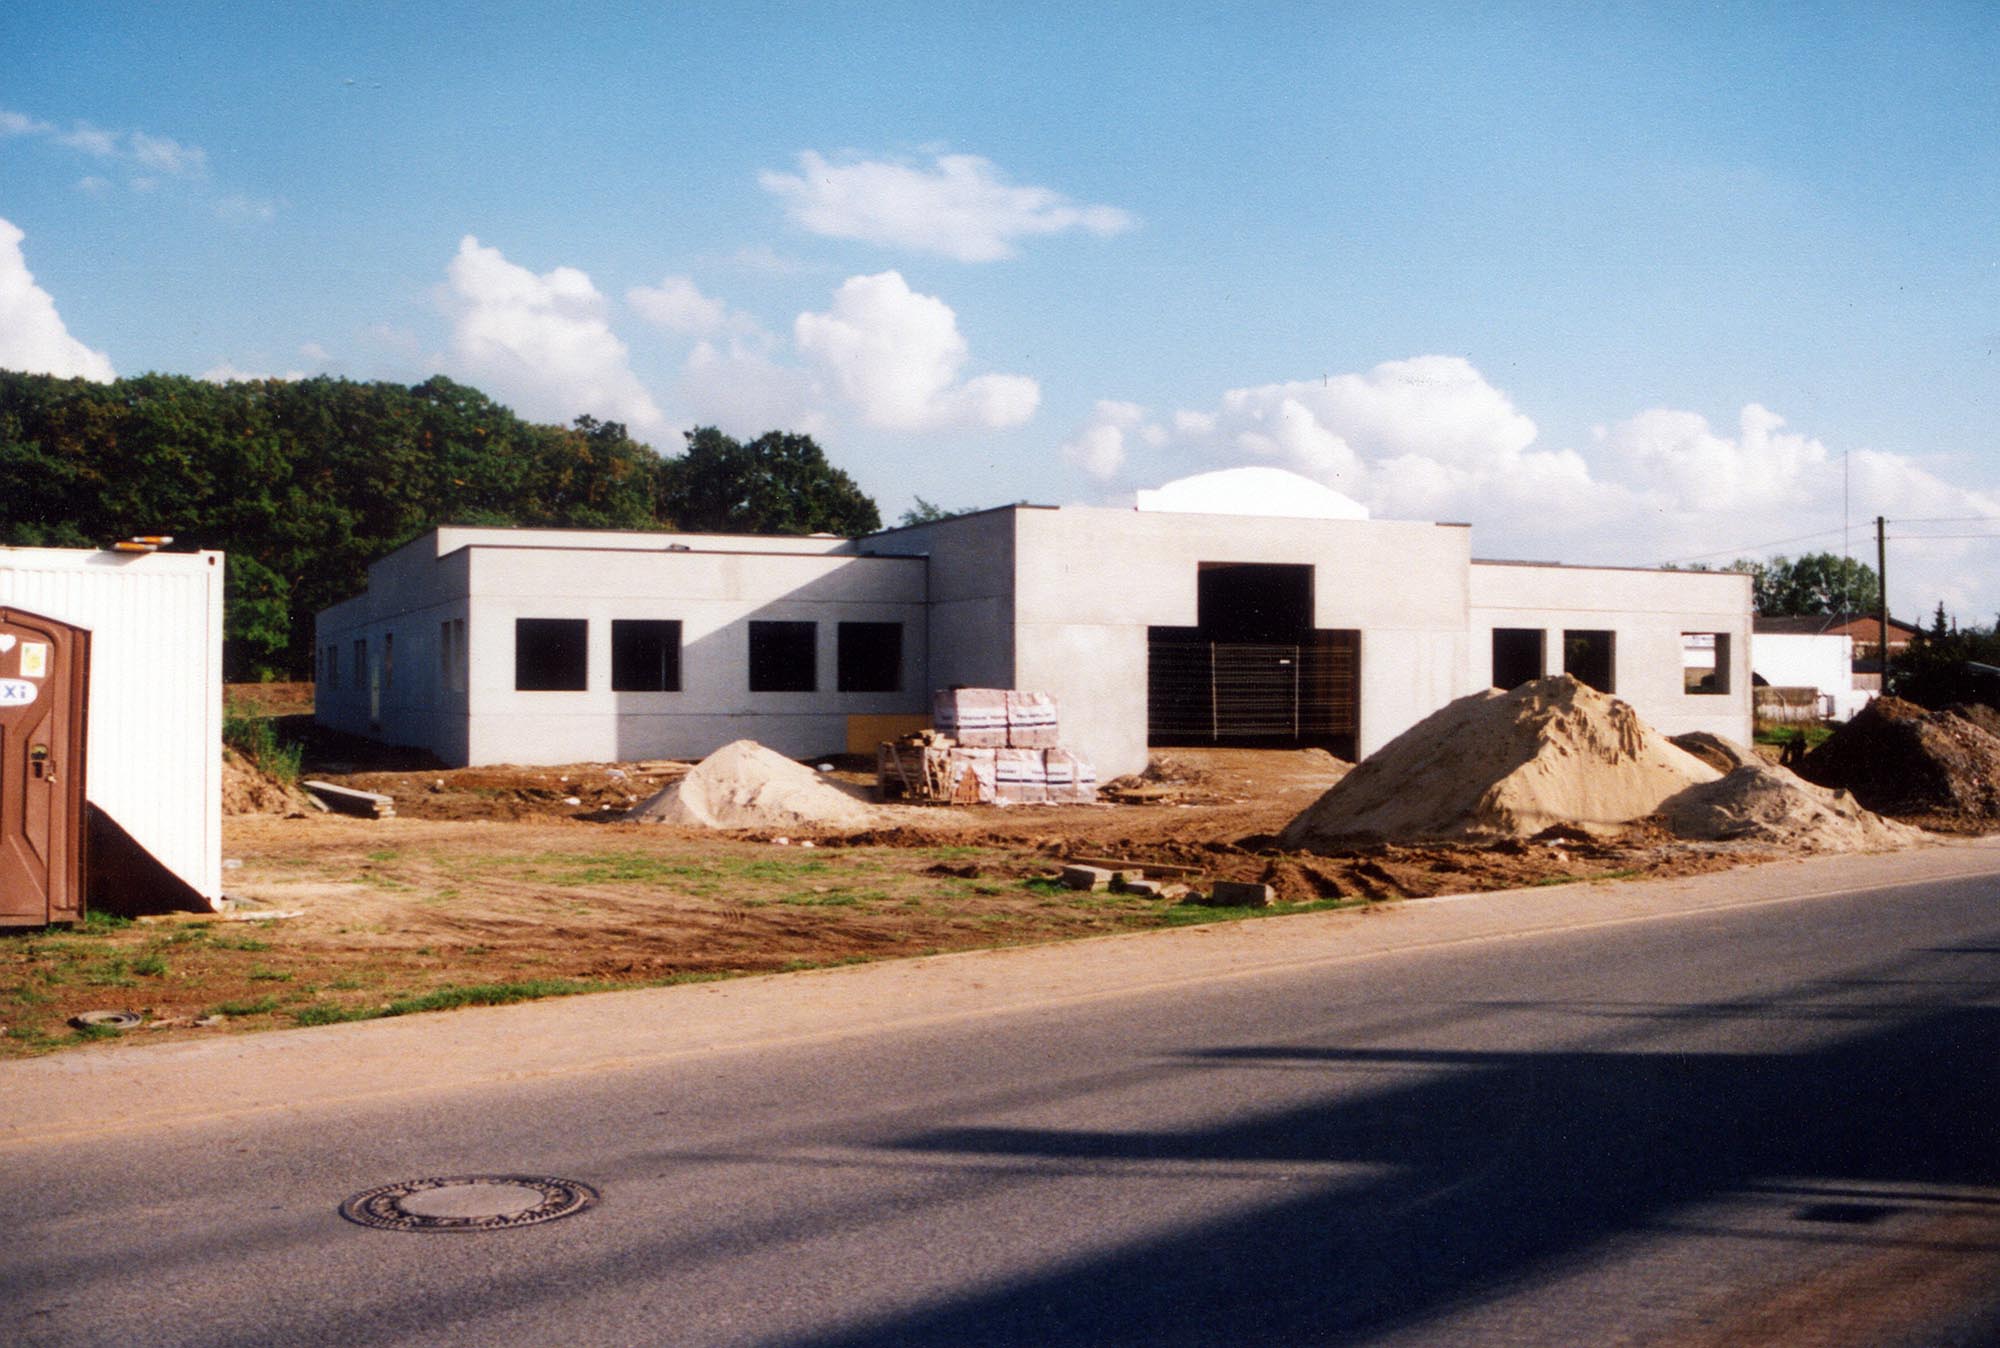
44 709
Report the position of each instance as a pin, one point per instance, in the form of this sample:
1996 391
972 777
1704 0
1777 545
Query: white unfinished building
1150 627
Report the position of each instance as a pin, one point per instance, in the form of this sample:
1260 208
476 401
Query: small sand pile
1506 765
1898 758
745 785
1762 802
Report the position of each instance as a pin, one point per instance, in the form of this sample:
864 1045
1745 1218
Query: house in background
1150 626
1867 633
1804 669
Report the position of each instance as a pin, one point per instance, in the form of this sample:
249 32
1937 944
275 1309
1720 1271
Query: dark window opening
1705 662
784 657
871 657
1591 657
1517 655
1253 602
551 655
361 663
645 655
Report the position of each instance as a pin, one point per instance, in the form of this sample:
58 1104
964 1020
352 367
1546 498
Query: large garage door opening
1254 670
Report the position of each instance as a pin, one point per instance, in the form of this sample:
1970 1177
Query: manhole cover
468 1203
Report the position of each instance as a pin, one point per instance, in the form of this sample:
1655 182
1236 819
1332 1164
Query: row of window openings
1591 657
552 655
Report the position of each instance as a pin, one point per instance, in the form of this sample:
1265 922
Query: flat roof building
1149 627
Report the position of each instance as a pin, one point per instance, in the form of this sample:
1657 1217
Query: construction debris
745 785
347 800
1500 765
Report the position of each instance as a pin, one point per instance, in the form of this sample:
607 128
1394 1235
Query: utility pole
1882 602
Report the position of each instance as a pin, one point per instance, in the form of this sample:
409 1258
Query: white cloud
542 343
678 305
1099 446
739 388
32 336
89 139
1430 438
961 207
162 154
93 186
895 355
20 124
237 209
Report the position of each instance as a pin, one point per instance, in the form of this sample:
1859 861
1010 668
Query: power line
1756 547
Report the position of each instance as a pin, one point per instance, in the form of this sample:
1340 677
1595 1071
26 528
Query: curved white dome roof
1252 491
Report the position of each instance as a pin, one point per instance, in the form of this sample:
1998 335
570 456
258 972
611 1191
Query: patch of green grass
149 966
97 924
821 900
387 854
256 739
1044 886
261 974
1815 735
240 943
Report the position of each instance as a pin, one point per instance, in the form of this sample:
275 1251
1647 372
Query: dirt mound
1724 755
745 785
1897 758
1761 802
247 789
1506 765
1979 714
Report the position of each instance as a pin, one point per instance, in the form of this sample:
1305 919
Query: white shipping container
154 759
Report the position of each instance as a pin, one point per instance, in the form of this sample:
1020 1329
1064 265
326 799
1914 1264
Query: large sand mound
1506 765
1762 802
1898 758
745 785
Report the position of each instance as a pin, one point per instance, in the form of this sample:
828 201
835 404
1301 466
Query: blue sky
1631 286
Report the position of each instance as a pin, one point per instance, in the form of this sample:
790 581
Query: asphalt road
1708 1112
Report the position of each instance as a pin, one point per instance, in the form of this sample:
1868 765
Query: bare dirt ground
499 884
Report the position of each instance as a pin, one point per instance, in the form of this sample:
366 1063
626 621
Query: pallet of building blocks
1071 780
1031 720
1019 778
975 717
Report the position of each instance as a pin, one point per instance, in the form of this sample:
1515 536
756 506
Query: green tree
924 512
1818 582
779 483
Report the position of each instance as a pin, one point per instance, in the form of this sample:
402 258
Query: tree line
305 482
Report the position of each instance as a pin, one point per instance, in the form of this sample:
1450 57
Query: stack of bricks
1007 741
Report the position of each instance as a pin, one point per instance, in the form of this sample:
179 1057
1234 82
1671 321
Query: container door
44 690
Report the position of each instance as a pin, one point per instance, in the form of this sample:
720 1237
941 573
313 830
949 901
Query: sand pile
1719 752
745 785
1506 765
1762 802
1898 758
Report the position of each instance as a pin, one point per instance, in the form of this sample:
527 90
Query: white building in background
1801 653
1149 626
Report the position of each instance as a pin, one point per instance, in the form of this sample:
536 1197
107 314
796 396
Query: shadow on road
1501 1163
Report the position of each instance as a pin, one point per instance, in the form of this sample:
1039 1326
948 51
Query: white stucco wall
154 751
1649 611
1797 660
1090 581
495 577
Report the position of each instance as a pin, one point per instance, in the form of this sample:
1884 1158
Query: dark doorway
1517 655
44 707
1254 670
